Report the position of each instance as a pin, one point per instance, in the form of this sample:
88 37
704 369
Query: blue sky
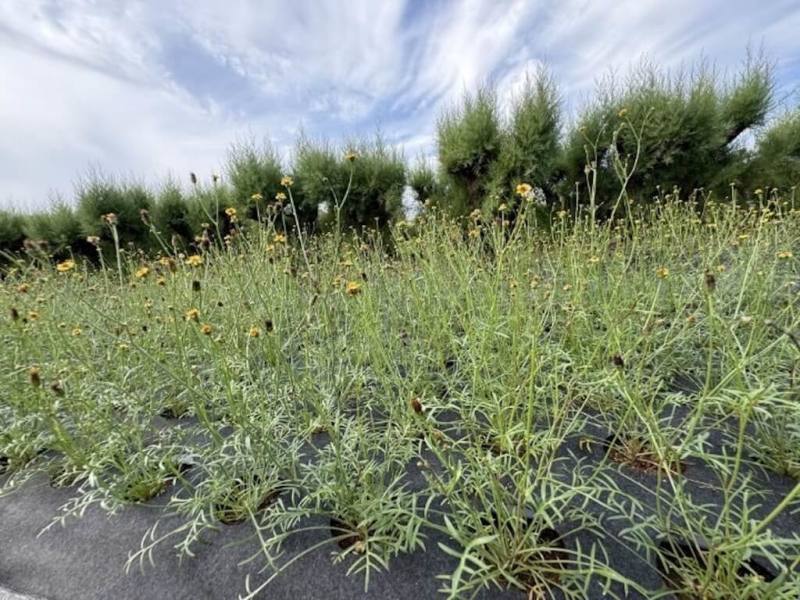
148 89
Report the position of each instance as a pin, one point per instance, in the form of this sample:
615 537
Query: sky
152 89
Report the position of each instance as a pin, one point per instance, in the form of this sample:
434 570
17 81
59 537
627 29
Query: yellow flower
759 192
93 240
523 189
254 332
280 197
350 156
475 214
161 281
721 268
22 288
474 232
142 272
230 211
562 214
279 238
76 331
622 113
256 197
195 260
270 247
33 315
192 314
503 207
744 236
65 266
287 181
353 288
593 260
784 254
662 272
206 329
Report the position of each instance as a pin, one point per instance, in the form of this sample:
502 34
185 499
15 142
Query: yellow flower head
206 329
280 197
195 260
350 156
142 272
161 281
593 260
621 114
474 233
287 181
503 207
22 288
254 332
33 315
230 211
353 288
256 197
662 272
93 240
784 254
524 189
65 266
192 314
279 238
76 331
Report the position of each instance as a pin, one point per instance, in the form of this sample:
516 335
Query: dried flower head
35 377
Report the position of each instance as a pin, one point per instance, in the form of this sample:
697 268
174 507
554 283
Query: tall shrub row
655 130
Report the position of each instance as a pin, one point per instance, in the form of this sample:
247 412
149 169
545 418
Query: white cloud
153 87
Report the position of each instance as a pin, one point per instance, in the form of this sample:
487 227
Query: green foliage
683 128
100 196
469 141
59 228
254 170
11 231
370 174
171 214
423 181
530 141
776 163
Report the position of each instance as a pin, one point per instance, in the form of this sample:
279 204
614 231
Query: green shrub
530 142
59 227
776 163
100 196
423 181
688 127
171 215
254 170
469 141
323 174
12 234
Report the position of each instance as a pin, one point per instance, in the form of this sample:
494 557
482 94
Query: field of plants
549 400
574 374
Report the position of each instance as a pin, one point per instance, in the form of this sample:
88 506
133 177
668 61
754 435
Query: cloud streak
151 88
